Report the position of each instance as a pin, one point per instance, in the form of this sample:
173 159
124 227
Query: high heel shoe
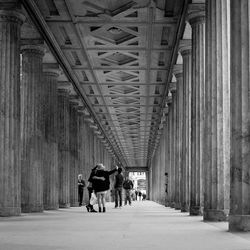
93 211
88 208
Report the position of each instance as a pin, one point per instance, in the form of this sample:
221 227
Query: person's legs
129 197
126 198
116 197
103 202
99 200
120 197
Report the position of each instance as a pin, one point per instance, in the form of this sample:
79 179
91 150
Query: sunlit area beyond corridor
144 225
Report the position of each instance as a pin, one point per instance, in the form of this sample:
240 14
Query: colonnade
208 166
45 140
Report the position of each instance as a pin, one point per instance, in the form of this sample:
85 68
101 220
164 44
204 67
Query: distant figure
136 194
144 196
119 179
81 185
101 184
128 186
140 195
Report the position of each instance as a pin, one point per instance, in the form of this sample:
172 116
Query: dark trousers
80 196
118 196
127 196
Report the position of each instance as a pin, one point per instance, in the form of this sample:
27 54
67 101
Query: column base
214 215
10 211
184 208
172 205
177 206
51 207
239 223
65 205
32 208
195 210
75 204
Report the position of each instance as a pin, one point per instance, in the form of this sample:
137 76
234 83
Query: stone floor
144 225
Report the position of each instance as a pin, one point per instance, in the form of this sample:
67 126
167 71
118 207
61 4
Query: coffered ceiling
117 55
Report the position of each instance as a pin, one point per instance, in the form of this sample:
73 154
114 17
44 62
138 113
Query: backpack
127 184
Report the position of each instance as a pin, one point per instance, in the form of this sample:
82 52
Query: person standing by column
119 179
81 185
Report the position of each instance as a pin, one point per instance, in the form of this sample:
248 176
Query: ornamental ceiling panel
118 54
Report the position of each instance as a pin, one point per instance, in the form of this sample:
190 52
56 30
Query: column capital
185 47
33 49
52 69
172 87
12 16
196 13
62 92
178 70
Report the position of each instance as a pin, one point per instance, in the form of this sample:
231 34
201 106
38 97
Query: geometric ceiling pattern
119 56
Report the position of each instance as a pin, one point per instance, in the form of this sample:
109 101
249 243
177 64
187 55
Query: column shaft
32 130
63 149
75 169
50 176
178 134
197 111
10 22
239 218
186 132
217 110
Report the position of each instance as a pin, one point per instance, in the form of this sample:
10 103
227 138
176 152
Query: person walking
101 184
128 186
81 185
119 179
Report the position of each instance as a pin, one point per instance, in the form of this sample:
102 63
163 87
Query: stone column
196 19
75 169
217 110
177 71
63 148
50 176
172 88
32 135
239 217
168 158
10 181
185 50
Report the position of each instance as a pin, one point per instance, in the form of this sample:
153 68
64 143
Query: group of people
99 184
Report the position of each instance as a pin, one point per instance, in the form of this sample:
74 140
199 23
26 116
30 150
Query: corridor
144 225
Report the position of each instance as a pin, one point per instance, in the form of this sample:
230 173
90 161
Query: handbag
93 199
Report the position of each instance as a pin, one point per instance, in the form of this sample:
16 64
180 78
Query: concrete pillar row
10 171
32 129
63 148
173 143
217 112
178 72
196 18
50 175
239 217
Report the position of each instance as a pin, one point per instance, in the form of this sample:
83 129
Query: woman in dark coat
90 188
101 184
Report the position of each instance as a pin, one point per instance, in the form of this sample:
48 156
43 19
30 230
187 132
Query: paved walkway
144 225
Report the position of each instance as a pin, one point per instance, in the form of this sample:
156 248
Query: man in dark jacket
118 188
